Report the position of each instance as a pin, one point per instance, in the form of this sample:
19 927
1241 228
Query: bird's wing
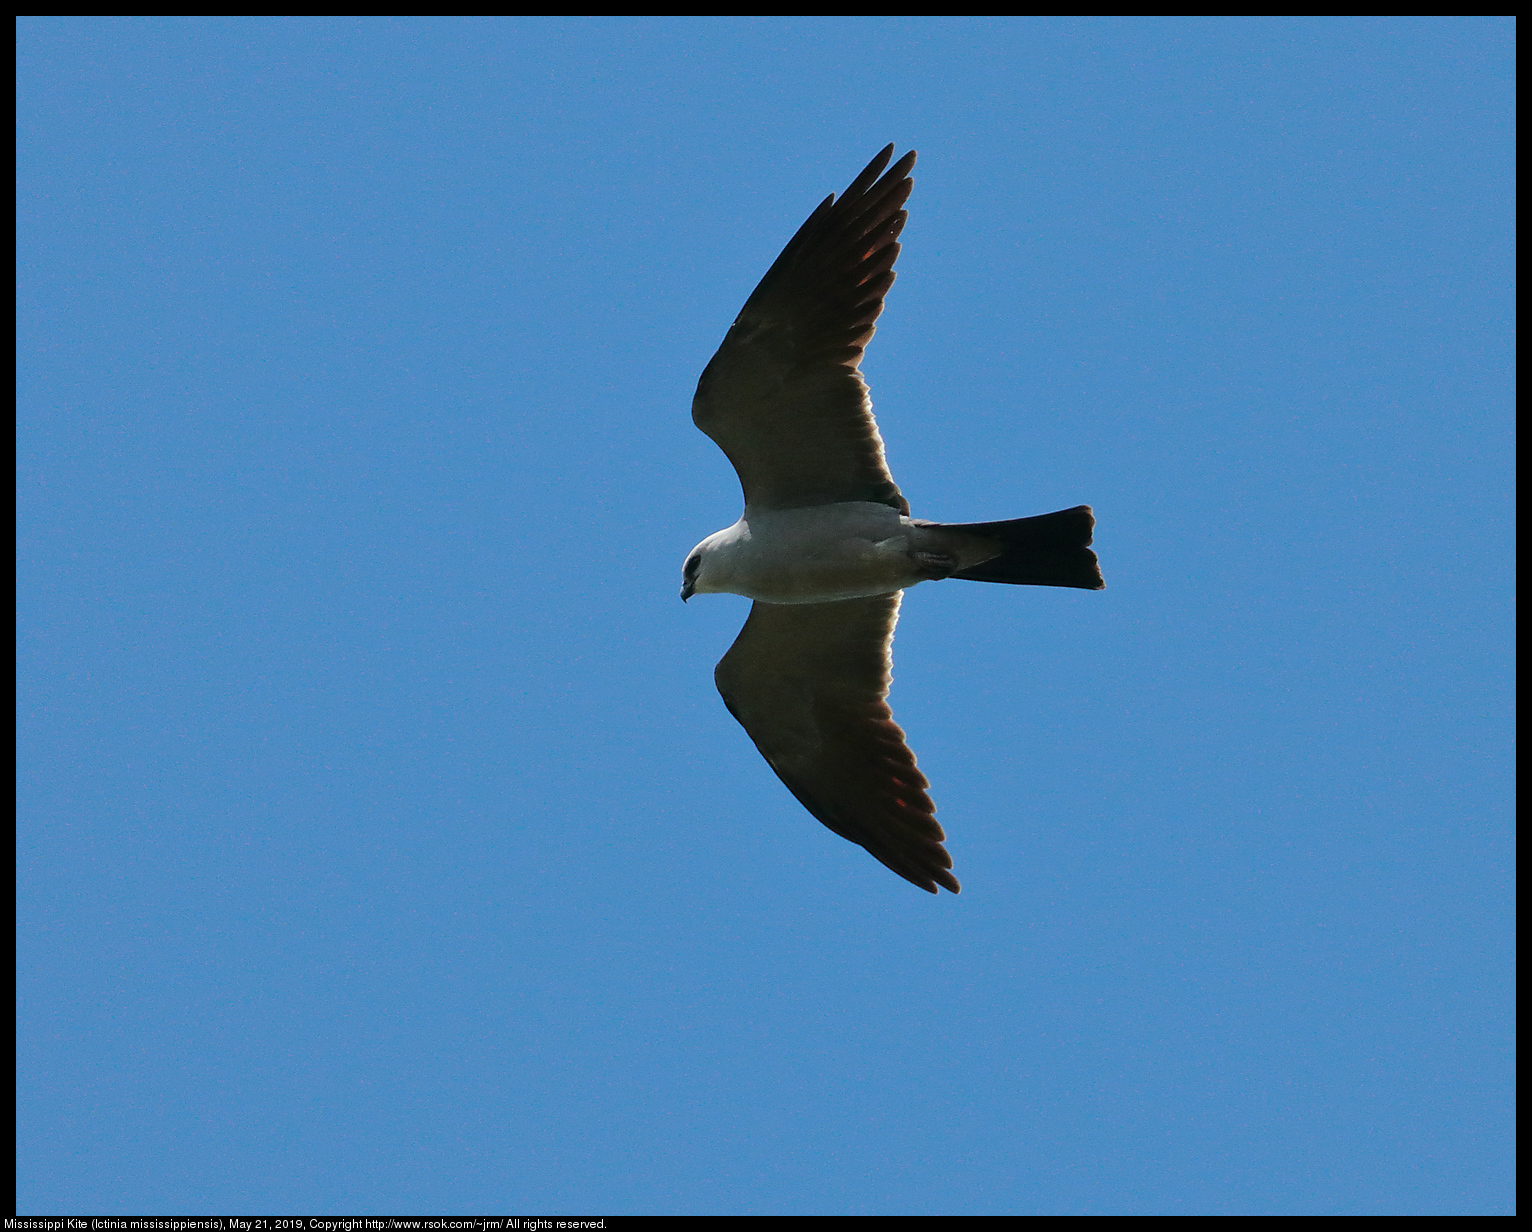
783 397
809 683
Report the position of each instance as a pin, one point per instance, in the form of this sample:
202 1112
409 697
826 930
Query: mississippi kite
826 543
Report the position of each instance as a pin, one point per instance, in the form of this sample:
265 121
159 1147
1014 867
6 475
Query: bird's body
824 553
826 543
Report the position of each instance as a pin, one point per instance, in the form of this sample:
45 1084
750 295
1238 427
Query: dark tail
1052 549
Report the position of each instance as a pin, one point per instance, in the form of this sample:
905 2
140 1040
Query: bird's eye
690 569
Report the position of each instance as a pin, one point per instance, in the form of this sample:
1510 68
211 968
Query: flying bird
826 543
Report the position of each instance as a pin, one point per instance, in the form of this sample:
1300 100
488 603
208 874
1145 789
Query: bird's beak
688 589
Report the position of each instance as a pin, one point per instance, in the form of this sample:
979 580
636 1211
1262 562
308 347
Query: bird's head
707 567
689 571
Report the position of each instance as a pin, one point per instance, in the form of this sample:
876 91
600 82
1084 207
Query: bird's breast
821 554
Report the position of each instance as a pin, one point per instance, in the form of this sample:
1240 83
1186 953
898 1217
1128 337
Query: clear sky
384 844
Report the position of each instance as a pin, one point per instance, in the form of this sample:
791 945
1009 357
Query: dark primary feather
809 683
783 397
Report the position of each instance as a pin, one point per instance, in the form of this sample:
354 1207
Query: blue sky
384 845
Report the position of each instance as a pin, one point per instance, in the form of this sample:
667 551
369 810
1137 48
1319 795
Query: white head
707 565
